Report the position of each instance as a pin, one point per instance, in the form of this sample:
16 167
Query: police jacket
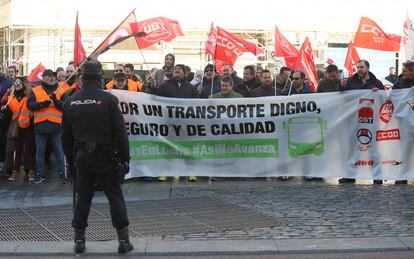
93 116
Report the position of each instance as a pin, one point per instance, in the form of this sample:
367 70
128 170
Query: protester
226 89
132 86
177 87
298 86
249 83
392 77
266 86
210 80
12 73
24 142
282 80
362 79
331 83
169 62
406 79
46 105
5 85
228 71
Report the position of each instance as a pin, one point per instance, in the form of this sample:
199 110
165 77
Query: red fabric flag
157 29
285 49
351 60
122 30
371 36
36 74
79 53
306 64
211 40
229 47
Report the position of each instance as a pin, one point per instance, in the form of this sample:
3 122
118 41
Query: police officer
93 133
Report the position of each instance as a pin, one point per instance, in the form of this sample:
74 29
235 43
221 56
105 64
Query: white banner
355 134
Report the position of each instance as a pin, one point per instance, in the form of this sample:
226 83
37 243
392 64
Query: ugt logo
386 111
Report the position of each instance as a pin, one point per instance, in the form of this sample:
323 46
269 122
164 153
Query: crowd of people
31 114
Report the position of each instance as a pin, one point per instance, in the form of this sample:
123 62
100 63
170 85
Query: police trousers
91 167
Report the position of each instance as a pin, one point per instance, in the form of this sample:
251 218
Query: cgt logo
386 111
385 135
364 163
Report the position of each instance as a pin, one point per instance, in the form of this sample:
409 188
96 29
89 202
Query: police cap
91 68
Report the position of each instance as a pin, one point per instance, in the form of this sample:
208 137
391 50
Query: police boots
123 239
79 246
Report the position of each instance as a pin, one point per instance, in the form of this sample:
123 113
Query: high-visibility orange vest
20 111
50 113
132 86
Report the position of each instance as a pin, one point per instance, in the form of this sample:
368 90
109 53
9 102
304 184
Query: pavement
309 217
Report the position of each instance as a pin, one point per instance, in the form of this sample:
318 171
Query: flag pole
212 79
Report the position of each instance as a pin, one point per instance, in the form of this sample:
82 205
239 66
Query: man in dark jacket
210 80
250 82
392 77
406 79
178 87
94 136
361 80
228 71
266 88
331 83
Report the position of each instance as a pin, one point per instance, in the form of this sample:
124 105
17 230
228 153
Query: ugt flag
156 29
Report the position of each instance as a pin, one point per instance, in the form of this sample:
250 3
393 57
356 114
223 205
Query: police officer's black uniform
92 130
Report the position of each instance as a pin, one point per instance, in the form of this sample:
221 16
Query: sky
295 15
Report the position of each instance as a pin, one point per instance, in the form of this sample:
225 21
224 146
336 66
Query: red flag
122 30
351 60
306 64
79 53
157 29
285 49
229 47
36 74
211 40
371 36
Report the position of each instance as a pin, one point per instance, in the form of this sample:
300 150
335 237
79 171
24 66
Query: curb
157 246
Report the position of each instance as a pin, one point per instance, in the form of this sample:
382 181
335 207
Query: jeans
55 140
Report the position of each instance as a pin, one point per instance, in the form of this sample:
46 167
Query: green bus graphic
305 136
